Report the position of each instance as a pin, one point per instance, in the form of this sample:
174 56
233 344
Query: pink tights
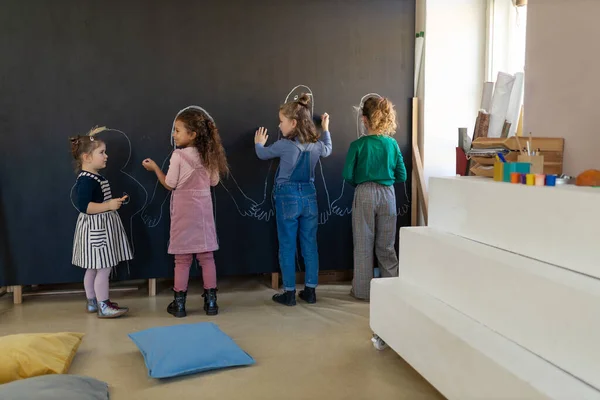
183 262
95 283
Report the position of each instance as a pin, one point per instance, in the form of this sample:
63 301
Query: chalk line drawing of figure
344 209
265 209
153 213
118 146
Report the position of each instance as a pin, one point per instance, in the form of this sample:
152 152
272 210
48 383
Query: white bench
496 299
462 358
559 225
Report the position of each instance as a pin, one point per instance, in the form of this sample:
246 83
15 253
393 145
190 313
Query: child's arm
348 173
327 144
326 136
110 205
85 193
172 175
265 153
400 170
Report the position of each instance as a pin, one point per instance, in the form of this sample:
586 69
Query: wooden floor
320 351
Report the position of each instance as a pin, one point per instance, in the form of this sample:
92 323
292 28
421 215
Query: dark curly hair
208 141
306 131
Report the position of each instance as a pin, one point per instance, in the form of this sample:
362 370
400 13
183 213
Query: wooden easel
419 198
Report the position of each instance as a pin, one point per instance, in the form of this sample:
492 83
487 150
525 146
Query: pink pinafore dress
192 221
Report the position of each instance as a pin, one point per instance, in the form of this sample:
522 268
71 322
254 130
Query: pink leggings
95 283
183 262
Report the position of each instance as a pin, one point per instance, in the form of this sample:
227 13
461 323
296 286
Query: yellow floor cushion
34 354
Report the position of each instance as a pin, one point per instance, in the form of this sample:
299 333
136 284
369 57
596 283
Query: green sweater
374 158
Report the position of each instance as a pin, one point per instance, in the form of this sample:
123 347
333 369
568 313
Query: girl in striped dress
100 241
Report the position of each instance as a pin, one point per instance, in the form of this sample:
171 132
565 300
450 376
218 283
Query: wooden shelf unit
551 148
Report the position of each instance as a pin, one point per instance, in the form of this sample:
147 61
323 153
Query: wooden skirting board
17 291
325 277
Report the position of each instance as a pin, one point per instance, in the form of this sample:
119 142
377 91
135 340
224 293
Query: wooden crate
551 148
512 143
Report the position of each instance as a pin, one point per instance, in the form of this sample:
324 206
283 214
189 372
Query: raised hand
325 122
149 164
260 137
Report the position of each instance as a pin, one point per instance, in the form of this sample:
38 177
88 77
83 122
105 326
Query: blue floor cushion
188 349
55 387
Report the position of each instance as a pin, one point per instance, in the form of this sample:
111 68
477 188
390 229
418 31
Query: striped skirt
100 241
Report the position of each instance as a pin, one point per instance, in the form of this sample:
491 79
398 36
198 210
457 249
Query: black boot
177 306
210 302
308 295
287 298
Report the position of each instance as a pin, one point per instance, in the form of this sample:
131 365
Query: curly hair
208 140
381 115
298 110
84 144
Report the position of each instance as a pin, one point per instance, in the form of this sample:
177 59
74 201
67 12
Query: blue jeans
296 214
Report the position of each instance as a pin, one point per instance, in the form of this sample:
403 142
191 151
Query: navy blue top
288 153
91 188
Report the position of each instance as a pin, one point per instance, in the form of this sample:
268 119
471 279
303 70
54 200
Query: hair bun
75 142
303 99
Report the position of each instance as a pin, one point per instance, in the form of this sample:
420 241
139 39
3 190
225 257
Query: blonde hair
305 131
381 115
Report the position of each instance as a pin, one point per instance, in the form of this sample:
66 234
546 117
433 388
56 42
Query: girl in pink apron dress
194 167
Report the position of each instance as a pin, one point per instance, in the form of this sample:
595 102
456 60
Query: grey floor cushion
55 387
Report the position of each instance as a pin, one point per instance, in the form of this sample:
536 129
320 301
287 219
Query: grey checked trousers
374 233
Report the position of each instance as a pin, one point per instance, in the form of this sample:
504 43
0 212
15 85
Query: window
507 25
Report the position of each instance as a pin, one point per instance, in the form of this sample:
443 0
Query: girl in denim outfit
295 195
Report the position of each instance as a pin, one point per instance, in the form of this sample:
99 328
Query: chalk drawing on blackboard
153 212
122 167
293 95
361 131
244 211
337 206
265 209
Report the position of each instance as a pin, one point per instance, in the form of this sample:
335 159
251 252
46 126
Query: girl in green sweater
373 164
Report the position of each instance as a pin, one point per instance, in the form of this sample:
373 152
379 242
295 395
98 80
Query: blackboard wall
68 65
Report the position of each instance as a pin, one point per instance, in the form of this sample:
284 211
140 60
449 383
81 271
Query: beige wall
562 85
